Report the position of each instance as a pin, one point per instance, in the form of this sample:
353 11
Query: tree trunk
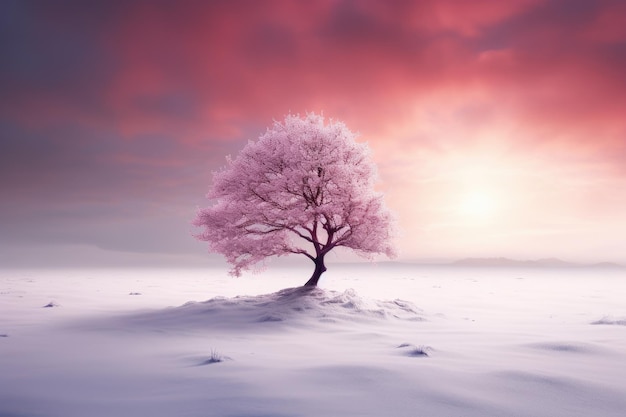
320 268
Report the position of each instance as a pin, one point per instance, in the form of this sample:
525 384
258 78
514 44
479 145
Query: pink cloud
534 85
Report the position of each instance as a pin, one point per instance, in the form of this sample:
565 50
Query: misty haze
405 208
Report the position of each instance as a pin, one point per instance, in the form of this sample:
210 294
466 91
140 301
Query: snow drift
300 306
486 344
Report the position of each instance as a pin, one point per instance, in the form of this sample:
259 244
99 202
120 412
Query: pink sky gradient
499 128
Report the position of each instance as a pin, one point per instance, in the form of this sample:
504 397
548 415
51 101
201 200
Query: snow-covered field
373 340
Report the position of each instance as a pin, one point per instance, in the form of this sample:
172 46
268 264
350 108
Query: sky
498 128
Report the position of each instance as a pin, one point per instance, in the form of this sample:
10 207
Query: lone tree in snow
304 187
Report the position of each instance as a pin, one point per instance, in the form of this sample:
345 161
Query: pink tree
304 187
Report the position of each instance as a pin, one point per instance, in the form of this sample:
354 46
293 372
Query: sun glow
478 204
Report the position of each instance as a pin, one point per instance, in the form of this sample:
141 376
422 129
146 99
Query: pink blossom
304 187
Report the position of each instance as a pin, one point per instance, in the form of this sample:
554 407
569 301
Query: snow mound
564 347
415 351
301 305
611 321
51 304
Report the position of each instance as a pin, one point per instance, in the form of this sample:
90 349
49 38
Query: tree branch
303 252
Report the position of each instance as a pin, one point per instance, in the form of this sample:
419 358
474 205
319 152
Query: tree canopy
303 187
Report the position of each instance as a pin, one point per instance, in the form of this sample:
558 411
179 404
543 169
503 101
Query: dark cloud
54 51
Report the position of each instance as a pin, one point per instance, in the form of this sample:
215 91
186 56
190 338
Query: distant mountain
538 263
605 265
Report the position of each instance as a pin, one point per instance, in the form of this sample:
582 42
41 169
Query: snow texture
422 341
